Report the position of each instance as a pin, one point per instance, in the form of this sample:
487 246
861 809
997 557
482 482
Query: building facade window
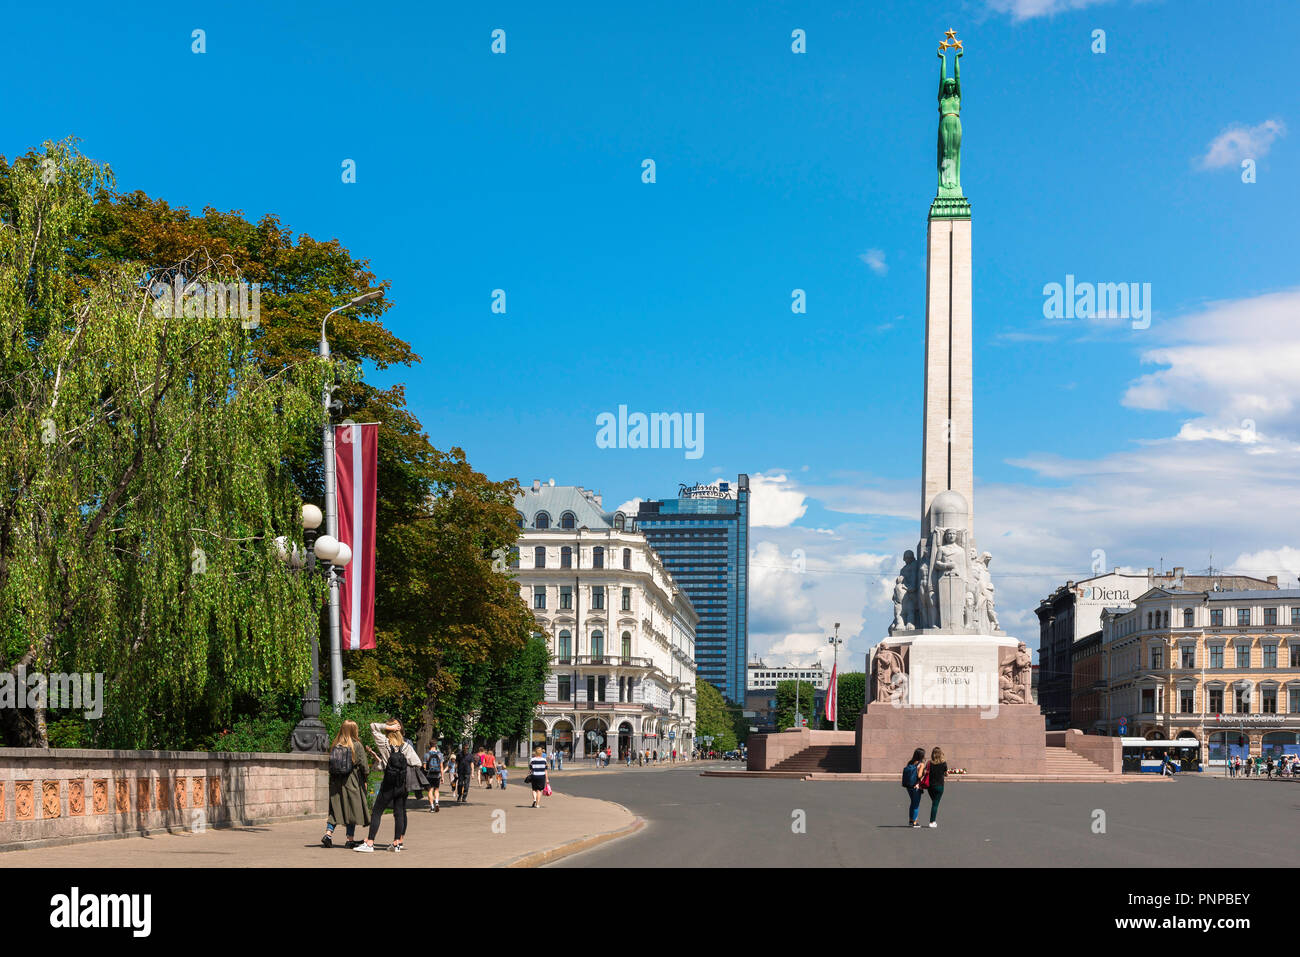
627 559
627 644
1243 656
598 557
1148 700
598 646
1241 700
627 600
1216 656
597 597
567 520
541 520
1188 656
539 597
566 557
565 648
566 598
1293 700
1270 656
1270 616
539 556
1188 617
1186 701
1268 700
1295 654
1295 616
1243 617
565 692
1157 657
1216 700
1216 617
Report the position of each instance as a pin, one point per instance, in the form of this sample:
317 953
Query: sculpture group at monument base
1006 739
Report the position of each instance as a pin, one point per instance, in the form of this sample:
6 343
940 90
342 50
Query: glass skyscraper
702 537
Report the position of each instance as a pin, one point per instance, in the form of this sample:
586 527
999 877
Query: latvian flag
832 693
356 460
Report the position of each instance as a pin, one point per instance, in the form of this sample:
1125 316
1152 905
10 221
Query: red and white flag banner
832 696
356 460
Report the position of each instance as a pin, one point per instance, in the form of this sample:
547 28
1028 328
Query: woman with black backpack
912 781
396 755
349 802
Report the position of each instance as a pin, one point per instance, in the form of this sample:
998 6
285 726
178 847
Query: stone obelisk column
948 428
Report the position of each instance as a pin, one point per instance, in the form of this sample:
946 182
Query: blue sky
522 171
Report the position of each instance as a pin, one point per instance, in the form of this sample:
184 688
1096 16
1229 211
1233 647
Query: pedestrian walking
559 759
464 774
349 802
395 756
935 774
551 756
537 776
489 767
433 768
501 776
912 782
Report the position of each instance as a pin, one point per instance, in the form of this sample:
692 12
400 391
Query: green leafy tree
713 716
851 692
145 480
785 703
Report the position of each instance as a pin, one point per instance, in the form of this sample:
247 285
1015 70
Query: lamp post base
310 736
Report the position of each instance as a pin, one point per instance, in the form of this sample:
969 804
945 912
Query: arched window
598 557
627 558
519 519
539 556
567 520
541 520
627 644
597 646
564 647
620 521
566 557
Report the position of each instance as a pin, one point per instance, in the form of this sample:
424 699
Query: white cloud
1029 9
774 502
630 507
875 259
1283 562
1239 142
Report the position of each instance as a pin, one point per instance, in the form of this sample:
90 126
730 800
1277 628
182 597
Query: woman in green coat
349 800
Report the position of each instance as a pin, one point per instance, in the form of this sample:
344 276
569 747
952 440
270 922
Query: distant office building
761 680
621 633
702 536
1074 610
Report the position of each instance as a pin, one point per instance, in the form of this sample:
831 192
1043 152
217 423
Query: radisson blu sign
716 490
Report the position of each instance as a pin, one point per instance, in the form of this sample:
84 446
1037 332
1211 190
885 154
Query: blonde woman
537 775
395 755
935 772
349 802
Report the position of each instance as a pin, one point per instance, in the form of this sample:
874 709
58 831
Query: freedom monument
948 675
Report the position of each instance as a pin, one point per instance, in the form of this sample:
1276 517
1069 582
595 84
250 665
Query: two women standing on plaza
349 800
921 776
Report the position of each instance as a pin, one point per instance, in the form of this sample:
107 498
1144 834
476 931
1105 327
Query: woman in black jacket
935 772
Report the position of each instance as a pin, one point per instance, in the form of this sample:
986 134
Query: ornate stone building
1219 666
622 634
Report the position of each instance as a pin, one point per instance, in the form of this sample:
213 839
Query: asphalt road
1198 821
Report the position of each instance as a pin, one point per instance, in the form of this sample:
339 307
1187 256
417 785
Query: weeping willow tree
144 455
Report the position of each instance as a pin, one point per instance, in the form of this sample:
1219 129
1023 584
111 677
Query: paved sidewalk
573 768
457 836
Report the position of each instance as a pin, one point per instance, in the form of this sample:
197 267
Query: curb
550 854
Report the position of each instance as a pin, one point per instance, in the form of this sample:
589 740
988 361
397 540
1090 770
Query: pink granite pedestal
1010 739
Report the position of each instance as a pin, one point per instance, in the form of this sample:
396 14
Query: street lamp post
331 509
327 556
834 692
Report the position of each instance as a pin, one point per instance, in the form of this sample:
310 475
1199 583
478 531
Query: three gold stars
950 41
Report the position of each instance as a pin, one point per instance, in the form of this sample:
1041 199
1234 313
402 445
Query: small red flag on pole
832 705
